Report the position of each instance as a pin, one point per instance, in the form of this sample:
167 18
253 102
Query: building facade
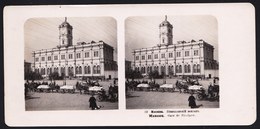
184 58
93 59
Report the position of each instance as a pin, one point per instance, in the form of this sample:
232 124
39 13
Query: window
37 59
78 55
87 69
156 68
143 57
95 53
162 55
149 57
86 54
62 71
43 58
156 56
70 56
196 52
170 55
55 57
178 54
187 53
80 70
98 69
49 58
137 58
95 70
62 57
163 70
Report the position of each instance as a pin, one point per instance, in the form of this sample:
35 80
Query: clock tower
165 35
65 34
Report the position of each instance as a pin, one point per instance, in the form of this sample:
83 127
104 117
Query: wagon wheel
173 89
199 97
99 98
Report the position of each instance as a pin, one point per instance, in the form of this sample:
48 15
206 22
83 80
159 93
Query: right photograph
171 62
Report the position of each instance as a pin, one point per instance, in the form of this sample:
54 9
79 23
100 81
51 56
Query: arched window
170 70
180 69
48 71
156 68
95 70
188 68
98 69
89 70
198 68
80 70
148 69
77 70
194 68
85 70
162 69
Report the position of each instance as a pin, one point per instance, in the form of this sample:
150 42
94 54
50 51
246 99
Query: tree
133 74
32 76
154 74
54 76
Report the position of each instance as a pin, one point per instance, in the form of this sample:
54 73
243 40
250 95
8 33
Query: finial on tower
65 19
165 17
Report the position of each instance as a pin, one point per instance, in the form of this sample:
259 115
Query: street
59 101
162 100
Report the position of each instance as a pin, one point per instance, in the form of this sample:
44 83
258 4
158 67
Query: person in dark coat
92 103
192 102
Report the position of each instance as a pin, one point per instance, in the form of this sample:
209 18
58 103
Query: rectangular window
170 55
137 58
86 54
187 53
37 59
156 56
143 57
78 55
70 56
178 54
196 52
95 53
62 57
43 58
149 57
49 58
162 55
55 57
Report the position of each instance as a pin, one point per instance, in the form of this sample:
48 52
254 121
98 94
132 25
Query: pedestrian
192 102
210 90
92 103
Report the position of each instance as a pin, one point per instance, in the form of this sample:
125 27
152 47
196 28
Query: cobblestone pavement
163 100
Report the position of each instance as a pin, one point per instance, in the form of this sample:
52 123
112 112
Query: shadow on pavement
29 97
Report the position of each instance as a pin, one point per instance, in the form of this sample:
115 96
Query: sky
43 33
143 32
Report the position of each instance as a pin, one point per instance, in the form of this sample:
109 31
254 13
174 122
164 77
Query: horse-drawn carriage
88 87
67 89
143 87
188 86
167 88
43 88
212 95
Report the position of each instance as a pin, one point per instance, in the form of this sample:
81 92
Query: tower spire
165 17
65 19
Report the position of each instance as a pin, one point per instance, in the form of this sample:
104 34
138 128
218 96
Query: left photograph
70 63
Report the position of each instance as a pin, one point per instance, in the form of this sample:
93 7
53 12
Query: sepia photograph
172 62
70 63
118 65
